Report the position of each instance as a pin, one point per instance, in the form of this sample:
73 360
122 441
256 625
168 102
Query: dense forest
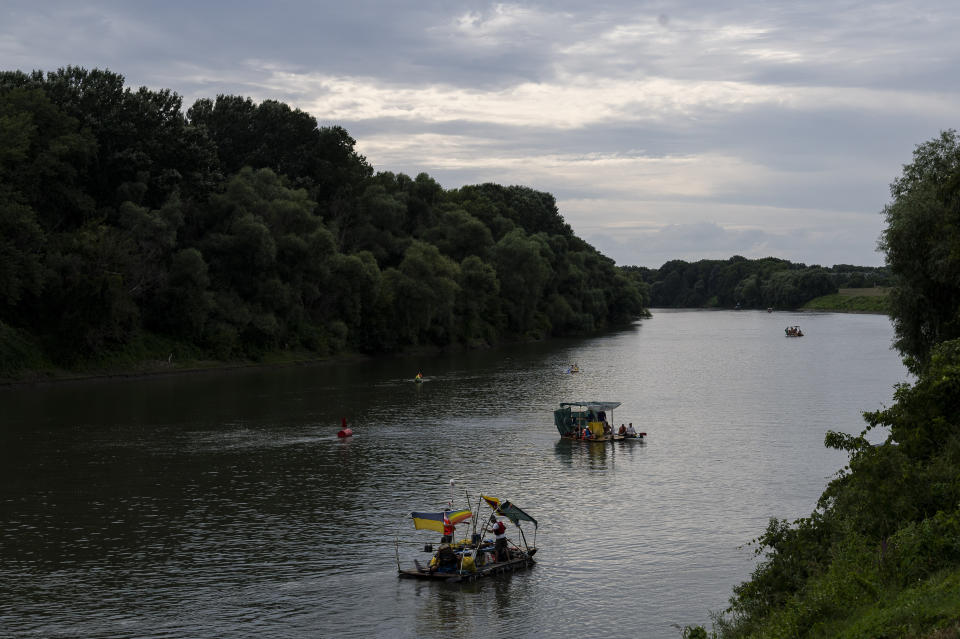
232 229
744 283
880 555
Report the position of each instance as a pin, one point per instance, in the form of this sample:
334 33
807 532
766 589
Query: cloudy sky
665 130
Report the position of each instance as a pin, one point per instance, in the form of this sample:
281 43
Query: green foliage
743 283
849 303
922 246
18 352
240 230
523 272
694 632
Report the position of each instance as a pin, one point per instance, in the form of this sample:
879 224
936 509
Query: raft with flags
489 548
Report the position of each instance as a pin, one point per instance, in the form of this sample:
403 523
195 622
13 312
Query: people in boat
419 376
630 432
446 560
606 429
623 430
587 433
499 529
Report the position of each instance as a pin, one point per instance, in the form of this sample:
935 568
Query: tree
459 235
922 246
522 272
45 154
478 301
425 287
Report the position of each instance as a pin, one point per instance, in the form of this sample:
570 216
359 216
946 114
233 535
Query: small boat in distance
793 331
418 379
573 368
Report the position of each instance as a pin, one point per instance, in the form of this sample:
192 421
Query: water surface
220 505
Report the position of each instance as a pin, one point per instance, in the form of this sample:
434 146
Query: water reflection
576 454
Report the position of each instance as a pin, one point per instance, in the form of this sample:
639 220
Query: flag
493 502
436 521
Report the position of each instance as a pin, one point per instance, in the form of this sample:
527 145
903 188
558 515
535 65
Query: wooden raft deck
521 563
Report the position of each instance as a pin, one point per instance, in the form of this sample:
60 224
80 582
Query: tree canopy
922 245
234 229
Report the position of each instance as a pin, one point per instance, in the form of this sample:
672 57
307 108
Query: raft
487 570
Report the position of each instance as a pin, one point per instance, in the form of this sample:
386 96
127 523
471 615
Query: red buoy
344 431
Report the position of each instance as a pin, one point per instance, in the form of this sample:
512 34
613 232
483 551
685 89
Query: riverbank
852 300
140 364
162 368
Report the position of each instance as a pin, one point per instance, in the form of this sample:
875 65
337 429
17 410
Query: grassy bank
851 300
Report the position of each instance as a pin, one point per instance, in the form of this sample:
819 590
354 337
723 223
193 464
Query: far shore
869 301
163 368
158 368
852 300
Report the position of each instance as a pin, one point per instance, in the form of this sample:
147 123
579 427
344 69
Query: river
223 505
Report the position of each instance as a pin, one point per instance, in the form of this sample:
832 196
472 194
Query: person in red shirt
500 552
448 530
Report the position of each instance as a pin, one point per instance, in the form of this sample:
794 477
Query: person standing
448 530
499 529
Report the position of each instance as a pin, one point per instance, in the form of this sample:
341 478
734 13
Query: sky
665 130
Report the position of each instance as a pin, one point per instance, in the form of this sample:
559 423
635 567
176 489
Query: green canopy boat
590 421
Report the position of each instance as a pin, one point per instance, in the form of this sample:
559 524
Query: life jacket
499 529
447 526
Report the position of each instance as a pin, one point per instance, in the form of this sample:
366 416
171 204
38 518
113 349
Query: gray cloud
665 130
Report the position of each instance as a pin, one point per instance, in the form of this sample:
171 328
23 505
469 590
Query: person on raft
500 552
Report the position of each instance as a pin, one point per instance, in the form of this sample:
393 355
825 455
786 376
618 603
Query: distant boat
573 368
793 331
419 378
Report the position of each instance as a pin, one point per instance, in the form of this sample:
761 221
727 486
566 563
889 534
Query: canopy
570 415
508 510
434 521
595 406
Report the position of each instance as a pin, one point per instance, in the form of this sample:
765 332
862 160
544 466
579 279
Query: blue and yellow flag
434 521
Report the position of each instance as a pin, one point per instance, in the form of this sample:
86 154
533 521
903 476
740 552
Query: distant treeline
761 283
236 228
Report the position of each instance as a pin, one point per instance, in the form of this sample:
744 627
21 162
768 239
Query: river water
223 505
